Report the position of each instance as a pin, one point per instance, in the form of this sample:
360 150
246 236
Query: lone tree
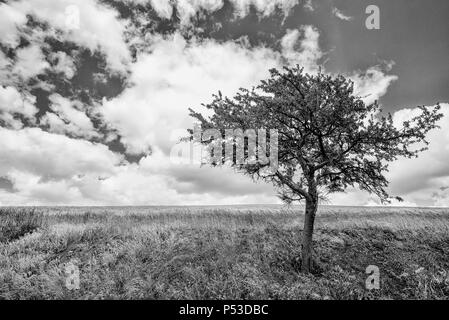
329 139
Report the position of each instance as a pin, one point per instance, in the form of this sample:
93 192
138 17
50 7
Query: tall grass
15 223
226 253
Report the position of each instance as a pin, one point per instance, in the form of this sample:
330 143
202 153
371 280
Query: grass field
239 252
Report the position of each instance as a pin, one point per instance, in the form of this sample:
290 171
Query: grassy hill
217 252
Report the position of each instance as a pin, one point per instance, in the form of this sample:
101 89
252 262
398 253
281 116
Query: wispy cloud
340 15
308 5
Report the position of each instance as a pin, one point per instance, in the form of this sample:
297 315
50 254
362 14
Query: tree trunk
309 219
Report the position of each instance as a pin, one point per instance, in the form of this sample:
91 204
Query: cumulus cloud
372 83
30 62
185 74
182 75
13 102
306 51
85 22
46 168
172 75
163 8
423 180
266 7
189 178
188 9
11 19
68 118
52 156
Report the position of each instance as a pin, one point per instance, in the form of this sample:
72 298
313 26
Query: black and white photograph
253 151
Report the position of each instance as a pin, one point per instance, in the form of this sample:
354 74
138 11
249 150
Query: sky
95 93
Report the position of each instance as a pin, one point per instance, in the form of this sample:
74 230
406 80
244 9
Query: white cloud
11 19
186 74
30 62
63 64
50 168
371 84
306 51
52 156
182 75
172 76
340 15
13 102
419 181
266 7
99 27
53 169
68 118
188 9
163 8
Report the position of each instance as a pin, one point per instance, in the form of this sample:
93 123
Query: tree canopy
328 137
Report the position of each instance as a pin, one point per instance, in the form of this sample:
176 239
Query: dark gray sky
413 33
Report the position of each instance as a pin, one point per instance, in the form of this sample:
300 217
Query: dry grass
16 223
238 252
